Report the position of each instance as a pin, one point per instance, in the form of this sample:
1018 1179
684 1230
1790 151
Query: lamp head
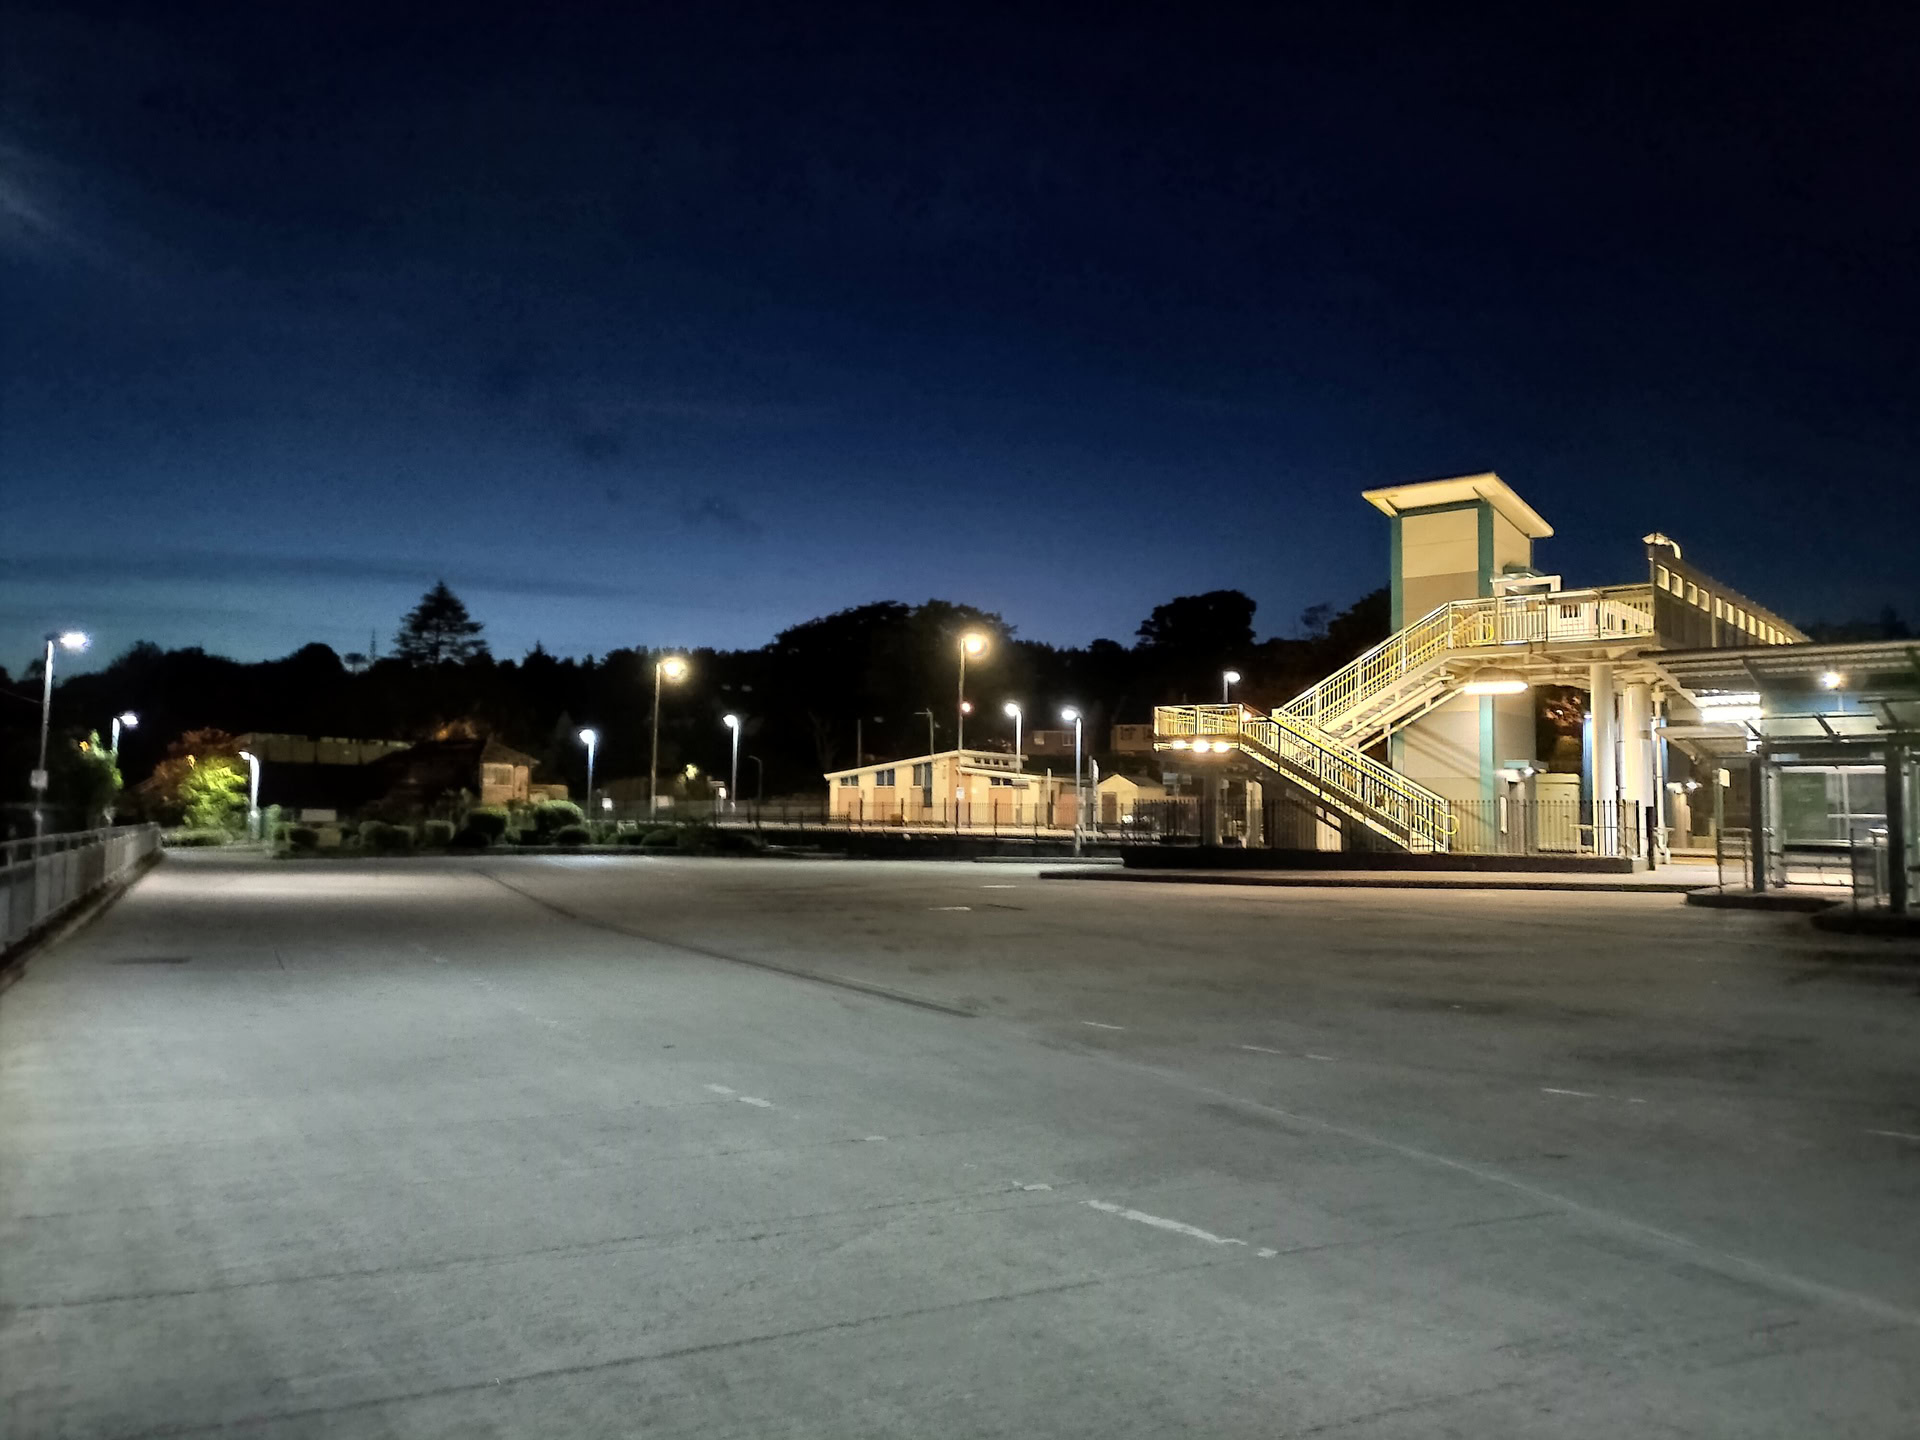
973 642
71 639
1831 679
128 720
1232 677
673 667
1011 708
1070 715
589 737
732 722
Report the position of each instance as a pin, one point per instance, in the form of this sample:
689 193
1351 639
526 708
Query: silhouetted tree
438 630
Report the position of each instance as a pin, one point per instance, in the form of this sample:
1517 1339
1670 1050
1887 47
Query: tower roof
1398 499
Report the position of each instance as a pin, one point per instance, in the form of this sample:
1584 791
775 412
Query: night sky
683 324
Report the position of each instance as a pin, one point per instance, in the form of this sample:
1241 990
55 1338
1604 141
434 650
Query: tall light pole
673 667
929 714
971 643
1012 708
66 640
732 722
253 793
759 780
591 739
1079 800
1228 679
131 721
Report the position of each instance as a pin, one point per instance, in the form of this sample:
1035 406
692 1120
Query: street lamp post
732 722
591 739
1079 799
1012 708
673 667
971 643
253 793
66 640
1228 679
929 714
131 721
759 780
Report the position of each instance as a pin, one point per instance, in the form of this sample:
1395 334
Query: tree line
873 671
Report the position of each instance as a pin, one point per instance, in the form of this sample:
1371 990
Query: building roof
1873 666
1398 499
998 762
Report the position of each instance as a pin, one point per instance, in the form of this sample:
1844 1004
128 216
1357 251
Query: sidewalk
1667 880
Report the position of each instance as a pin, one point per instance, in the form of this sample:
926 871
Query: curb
13 965
1384 880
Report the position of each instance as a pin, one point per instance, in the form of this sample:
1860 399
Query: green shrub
387 839
469 839
571 835
303 837
552 815
278 833
437 833
190 838
488 820
632 837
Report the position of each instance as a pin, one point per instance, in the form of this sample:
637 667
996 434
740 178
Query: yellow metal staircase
1317 740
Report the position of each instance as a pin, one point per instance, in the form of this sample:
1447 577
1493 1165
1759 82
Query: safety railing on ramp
43 878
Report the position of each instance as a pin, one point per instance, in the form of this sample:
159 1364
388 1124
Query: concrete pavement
633 1145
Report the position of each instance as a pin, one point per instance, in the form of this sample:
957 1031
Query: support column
1898 825
1256 814
1606 784
1636 759
1759 820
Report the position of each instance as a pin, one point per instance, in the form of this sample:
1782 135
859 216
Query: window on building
850 780
1693 593
923 775
1662 576
883 777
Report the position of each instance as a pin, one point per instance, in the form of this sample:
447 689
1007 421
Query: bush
303 837
469 839
571 835
488 820
664 839
190 838
552 815
437 832
387 839
278 833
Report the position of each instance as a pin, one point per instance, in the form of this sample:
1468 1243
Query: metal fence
41 879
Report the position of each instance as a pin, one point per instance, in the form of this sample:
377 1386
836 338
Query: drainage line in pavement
839 982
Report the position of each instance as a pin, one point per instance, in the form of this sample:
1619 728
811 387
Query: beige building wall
1439 560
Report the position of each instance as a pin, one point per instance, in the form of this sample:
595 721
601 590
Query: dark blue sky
682 324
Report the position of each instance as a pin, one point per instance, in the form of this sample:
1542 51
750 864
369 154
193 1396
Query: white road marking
1098 1026
950 907
1033 1187
718 1089
1160 1222
1636 1102
1894 1134
1312 1056
999 887
1581 1094
870 1139
757 1101
1265 1254
1263 1049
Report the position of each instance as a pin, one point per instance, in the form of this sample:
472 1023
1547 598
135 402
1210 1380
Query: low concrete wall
47 882
1215 857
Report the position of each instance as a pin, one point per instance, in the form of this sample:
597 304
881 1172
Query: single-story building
1121 796
967 788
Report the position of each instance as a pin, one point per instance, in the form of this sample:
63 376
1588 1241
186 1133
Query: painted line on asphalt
1263 1050
1099 1026
718 1089
755 1100
999 887
1160 1222
1578 1094
950 907
1312 1056
1894 1134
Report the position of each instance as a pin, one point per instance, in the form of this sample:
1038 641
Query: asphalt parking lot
614 1146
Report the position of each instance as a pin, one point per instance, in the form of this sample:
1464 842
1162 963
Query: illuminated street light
1069 713
673 667
1495 682
253 793
1012 710
1228 679
732 722
125 719
591 739
66 640
971 643
1831 680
